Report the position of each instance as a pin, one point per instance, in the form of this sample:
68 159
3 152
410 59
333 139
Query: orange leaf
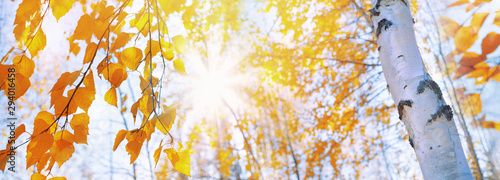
166 119
21 83
134 108
89 81
490 43
63 148
85 27
64 80
83 98
89 53
131 57
37 147
119 138
37 43
80 126
63 107
110 97
459 2
43 161
24 65
42 121
135 140
154 50
60 8
115 73
179 66
471 58
120 40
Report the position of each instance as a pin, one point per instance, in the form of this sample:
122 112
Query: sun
215 83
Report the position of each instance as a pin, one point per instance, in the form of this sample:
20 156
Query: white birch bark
427 118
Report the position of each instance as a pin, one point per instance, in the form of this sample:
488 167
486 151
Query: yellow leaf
37 43
465 37
478 20
38 176
167 50
58 178
119 138
157 154
473 104
166 119
181 161
80 126
110 97
171 6
179 44
179 66
60 8
497 19
63 148
131 57
146 103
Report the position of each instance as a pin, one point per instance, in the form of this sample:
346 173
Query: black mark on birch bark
432 85
401 106
374 12
384 23
379 48
377 5
445 111
411 142
400 56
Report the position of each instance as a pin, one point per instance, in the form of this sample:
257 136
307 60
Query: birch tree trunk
427 118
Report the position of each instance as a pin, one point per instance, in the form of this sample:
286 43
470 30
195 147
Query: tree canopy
231 89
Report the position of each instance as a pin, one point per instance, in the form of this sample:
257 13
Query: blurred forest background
278 89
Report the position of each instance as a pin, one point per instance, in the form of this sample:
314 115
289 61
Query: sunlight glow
213 83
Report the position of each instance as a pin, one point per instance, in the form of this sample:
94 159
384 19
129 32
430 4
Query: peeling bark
427 118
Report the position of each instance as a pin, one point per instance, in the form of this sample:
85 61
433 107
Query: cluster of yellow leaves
471 63
76 90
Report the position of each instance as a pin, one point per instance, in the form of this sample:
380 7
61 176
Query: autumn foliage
302 97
